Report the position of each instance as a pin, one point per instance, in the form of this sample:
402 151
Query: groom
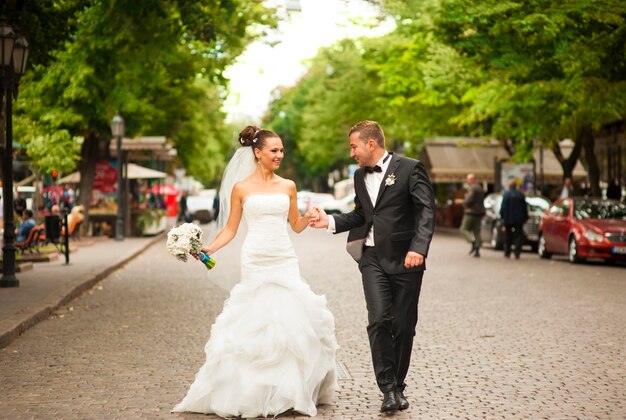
390 231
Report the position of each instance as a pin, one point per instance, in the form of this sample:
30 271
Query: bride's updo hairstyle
255 137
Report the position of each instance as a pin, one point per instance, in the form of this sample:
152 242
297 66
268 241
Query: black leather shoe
390 401
403 404
472 250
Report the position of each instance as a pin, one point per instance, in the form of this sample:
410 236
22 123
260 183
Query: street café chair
32 241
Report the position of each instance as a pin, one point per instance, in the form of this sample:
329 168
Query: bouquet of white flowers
186 239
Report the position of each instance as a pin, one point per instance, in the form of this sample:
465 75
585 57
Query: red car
584 228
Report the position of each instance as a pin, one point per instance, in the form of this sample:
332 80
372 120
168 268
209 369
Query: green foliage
46 24
396 80
316 115
149 217
56 151
525 72
159 63
549 68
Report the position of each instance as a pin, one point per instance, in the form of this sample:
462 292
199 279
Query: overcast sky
278 61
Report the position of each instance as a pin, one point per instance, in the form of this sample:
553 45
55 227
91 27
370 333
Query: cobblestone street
497 338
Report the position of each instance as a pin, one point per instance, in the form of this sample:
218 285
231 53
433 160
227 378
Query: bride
272 349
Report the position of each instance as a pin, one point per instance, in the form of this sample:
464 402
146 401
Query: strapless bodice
267 241
266 213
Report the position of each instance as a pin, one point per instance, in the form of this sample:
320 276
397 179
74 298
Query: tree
408 82
551 70
46 24
159 63
318 112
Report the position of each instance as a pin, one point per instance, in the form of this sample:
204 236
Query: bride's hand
204 249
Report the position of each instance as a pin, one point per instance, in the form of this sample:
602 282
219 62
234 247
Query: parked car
200 207
584 228
492 229
344 205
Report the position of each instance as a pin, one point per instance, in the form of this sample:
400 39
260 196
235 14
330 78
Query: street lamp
13 57
117 128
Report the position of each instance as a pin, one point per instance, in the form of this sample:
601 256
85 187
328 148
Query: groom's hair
369 130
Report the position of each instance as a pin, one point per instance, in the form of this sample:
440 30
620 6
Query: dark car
584 228
492 229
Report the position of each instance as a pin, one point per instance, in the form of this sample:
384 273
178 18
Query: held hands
413 259
317 217
312 215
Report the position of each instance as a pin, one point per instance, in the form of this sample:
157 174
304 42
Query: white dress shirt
373 182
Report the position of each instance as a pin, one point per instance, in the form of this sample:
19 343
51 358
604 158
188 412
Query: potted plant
151 221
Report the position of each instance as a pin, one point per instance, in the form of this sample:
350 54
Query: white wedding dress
273 347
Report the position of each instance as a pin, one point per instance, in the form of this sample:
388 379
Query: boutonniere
391 179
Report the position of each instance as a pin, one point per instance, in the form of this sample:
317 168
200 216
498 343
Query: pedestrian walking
183 210
514 213
390 232
567 189
614 190
474 210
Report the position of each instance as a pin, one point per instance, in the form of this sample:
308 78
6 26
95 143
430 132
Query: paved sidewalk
50 285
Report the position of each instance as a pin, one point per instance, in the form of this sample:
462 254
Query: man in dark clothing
183 213
216 206
514 212
19 204
473 214
614 191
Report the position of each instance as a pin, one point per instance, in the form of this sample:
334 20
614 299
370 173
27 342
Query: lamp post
13 57
117 128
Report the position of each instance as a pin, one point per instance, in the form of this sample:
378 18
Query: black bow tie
376 168
370 169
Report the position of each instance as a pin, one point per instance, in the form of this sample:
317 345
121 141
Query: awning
450 159
146 148
134 172
73 178
26 181
140 172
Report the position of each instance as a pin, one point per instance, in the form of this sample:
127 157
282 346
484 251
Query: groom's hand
413 259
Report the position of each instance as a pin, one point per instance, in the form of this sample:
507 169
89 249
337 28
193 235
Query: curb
45 310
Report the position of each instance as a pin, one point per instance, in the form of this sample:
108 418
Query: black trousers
514 234
392 301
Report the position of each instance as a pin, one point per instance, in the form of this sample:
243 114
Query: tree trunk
87 169
568 164
593 169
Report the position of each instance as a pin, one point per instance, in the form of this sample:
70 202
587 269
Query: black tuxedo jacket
403 218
